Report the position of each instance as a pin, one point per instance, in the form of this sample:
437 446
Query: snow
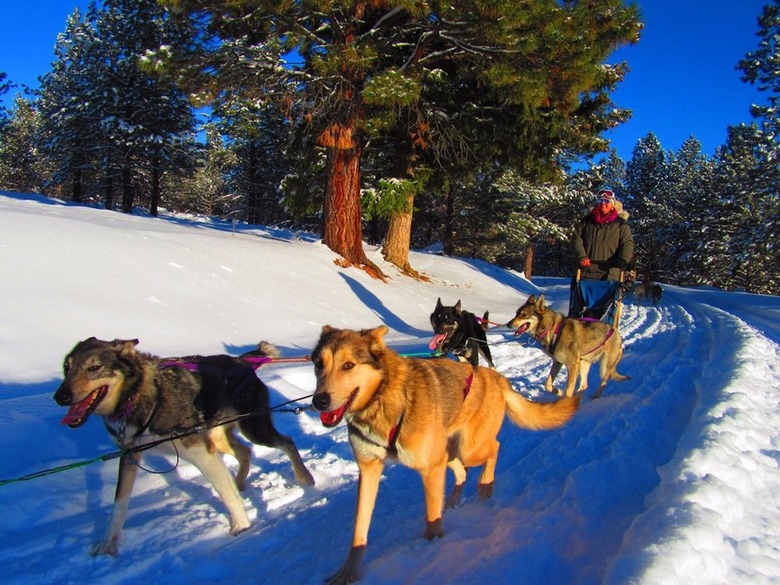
670 477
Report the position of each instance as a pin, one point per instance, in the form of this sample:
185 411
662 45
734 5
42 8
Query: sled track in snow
570 506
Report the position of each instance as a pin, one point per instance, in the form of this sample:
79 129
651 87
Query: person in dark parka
603 246
603 243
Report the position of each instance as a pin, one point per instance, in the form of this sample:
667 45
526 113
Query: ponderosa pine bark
342 229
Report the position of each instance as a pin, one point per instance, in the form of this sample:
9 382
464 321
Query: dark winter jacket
610 246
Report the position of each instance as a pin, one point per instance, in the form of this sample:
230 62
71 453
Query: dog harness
244 371
121 419
557 333
554 341
392 436
606 338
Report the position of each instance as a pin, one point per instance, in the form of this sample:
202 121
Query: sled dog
143 398
648 290
575 343
459 332
429 414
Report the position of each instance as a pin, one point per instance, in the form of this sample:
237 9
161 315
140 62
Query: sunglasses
605 200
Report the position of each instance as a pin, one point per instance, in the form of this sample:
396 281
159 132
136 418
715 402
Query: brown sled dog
143 398
429 414
575 343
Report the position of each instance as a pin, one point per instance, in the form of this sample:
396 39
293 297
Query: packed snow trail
670 477
723 481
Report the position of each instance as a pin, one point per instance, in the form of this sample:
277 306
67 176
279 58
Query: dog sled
597 299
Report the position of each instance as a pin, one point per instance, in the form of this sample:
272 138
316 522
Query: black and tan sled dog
459 332
575 343
143 398
429 414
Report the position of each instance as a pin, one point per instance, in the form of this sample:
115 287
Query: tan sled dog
429 414
575 343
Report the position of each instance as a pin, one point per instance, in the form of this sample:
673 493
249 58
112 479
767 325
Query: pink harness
540 337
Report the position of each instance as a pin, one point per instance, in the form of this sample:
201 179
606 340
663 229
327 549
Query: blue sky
682 83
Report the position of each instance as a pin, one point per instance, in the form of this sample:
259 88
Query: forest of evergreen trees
494 154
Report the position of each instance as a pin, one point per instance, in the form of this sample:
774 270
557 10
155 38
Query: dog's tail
538 416
485 321
263 349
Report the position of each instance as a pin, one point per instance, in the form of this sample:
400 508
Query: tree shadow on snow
386 316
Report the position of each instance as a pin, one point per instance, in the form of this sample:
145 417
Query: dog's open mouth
333 417
439 339
520 330
79 412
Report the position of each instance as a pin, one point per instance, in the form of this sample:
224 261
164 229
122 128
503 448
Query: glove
585 262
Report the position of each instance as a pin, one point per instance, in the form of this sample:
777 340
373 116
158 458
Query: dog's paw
350 570
238 528
485 490
433 529
305 478
454 498
107 547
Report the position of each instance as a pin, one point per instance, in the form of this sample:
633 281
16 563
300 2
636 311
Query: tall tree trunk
154 204
395 248
342 230
127 189
448 236
109 190
528 265
77 185
252 186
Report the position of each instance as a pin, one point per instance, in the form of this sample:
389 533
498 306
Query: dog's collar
541 336
121 418
392 436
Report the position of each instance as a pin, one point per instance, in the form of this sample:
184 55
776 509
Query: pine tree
5 87
256 135
68 107
647 176
104 113
745 223
205 190
688 195
485 76
762 68
755 243
22 166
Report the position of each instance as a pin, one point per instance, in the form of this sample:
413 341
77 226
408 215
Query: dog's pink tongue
76 413
332 418
437 339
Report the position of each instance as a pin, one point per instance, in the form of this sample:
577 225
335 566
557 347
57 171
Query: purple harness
556 335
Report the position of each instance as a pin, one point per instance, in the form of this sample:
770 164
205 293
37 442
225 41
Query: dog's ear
457 307
326 329
377 338
438 303
377 332
125 346
531 300
540 302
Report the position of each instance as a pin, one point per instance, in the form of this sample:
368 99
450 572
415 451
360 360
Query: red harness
392 437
